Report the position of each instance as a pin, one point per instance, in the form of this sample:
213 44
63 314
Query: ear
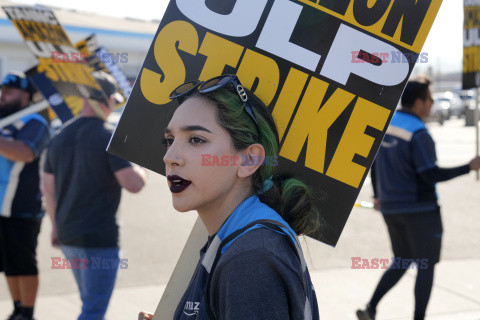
417 105
111 102
252 158
107 109
98 108
25 98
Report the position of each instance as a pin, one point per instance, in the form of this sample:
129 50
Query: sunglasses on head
213 84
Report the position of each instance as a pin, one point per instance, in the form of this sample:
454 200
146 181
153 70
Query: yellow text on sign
403 22
42 32
310 120
67 72
311 125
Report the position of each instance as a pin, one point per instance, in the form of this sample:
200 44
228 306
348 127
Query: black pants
414 237
18 246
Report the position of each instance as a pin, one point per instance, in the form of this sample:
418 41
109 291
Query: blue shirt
20 195
407 151
254 271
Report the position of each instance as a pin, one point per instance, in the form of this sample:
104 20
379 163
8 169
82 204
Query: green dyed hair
288 196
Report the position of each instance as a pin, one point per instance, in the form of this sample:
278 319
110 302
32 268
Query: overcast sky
443 45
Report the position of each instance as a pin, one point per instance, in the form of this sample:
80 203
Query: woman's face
201 165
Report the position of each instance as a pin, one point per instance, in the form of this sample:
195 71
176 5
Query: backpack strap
211 258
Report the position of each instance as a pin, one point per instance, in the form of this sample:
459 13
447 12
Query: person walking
404 175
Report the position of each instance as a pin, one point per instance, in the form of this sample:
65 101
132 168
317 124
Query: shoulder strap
34 116
210 264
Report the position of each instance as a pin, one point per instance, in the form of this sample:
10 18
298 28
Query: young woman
222 149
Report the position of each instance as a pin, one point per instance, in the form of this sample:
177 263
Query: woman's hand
145 316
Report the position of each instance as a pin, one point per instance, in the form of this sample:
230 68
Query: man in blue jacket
21 144
404 176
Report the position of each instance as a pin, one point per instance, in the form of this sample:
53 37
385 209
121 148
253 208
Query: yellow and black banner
330 71
471 44
58 58
94 55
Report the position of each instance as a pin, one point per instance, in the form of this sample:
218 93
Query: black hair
417 88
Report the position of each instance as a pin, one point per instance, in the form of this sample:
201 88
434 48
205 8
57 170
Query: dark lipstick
178 184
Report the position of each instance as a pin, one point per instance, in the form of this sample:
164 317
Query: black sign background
140 131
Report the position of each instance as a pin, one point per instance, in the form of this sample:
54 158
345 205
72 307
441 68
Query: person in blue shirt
404 175
21 145
252 266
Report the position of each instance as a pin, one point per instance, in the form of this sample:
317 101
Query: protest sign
471 44
58 58
471 59
331 72
100 59
63 110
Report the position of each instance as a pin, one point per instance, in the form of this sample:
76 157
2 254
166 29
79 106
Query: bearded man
21 145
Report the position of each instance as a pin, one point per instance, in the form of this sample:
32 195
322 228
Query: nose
173 157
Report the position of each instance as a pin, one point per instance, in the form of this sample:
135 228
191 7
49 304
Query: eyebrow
190 128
